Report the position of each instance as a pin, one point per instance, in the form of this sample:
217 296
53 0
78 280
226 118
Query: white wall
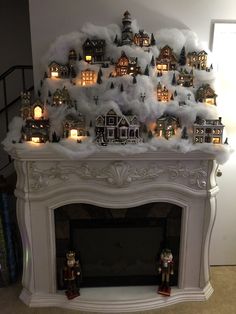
52 18
15 48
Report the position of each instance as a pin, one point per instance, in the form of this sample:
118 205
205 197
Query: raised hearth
47 181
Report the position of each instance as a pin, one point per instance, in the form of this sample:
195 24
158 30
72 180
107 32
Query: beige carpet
223 301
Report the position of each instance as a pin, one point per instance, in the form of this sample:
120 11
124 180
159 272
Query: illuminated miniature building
61 97
74 126
36 127
26 108
197 60
57 70
185 78
141 39
117 129
127 33
166 126
208 131
94 50
163 94
166 60
88 77
126 65
206 94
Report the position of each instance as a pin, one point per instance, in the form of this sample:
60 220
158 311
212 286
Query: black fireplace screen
117 246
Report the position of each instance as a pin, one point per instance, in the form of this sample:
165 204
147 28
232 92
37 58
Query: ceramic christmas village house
96 68
36 127
114 128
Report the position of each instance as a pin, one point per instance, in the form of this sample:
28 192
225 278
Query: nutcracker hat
70 255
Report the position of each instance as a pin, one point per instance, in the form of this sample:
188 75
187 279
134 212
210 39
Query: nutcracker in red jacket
166 269
72 272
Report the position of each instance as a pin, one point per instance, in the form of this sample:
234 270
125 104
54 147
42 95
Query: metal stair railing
6 106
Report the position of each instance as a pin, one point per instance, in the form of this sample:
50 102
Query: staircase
16 79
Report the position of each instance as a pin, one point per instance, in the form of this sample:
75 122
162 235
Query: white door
223 242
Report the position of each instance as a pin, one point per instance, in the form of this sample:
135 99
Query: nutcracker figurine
72 273
165 269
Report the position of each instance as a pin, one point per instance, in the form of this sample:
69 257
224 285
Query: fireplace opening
117 247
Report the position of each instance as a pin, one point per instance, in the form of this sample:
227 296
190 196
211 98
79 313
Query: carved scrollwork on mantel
196 177
118 173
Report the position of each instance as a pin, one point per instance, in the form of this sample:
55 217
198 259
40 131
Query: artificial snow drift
147 109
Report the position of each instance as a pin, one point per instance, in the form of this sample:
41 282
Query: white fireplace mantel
46 181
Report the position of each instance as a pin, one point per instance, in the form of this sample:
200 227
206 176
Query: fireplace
112 191
117 247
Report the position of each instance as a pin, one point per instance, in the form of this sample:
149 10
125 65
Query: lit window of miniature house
202 57
73 133
38 112
163 94
88 58
54 72
88 77
208 131
166 60
206 94
166 126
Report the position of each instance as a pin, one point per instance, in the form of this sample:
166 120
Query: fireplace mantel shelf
47 180
19 152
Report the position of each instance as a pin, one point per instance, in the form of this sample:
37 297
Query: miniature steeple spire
127 32
25 105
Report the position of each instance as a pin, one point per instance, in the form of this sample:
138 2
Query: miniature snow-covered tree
182 56
99 78
100 72
184 134
146 72
116 40
112 85
150 135
152 62
55 137
153 41
173 82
